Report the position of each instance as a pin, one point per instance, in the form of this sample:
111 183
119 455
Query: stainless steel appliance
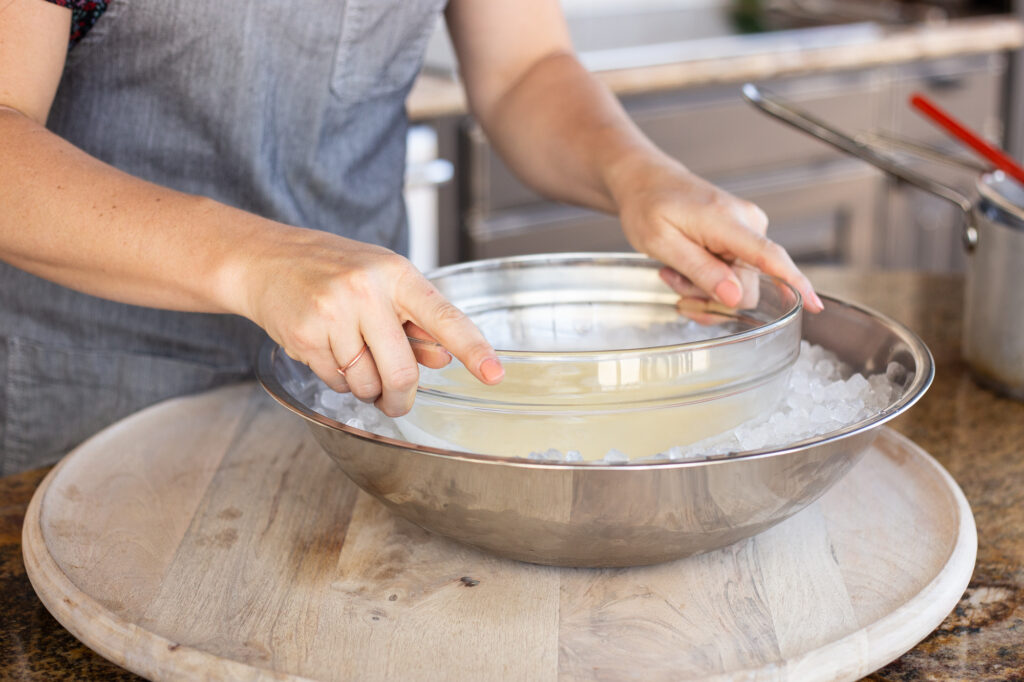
993 234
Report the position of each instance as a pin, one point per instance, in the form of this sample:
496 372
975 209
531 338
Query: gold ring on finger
353 361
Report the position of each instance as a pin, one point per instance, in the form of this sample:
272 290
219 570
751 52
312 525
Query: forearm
72 219
566 135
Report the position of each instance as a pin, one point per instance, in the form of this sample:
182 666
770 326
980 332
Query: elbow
23 112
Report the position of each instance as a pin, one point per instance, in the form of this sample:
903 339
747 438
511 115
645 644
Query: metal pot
993 234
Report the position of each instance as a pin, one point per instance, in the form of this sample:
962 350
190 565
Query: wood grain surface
208 537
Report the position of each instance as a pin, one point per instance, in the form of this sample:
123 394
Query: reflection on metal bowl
614 515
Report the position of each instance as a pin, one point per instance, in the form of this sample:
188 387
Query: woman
188 173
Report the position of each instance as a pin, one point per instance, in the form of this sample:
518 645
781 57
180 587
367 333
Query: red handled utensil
996 156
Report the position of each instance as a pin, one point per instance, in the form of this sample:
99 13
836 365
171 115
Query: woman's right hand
321 297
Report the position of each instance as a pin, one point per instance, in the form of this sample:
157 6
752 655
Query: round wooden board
208 537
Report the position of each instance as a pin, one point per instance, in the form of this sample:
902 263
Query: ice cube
749 439
843 412
820 415
826 369
799 381
857 385
835 391
369 414
675 452
801 416
553 455
800 402
896 373
331 400
615 456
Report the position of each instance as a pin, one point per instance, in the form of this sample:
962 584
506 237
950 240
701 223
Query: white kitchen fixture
424 171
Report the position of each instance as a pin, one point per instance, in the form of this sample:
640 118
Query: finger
703 269
750 280
427 308
751 215
425 348
680 284
693 302
396 365
769 257
325 366
359 371
703 311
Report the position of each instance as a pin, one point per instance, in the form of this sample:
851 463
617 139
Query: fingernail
728 292
492 369
821 306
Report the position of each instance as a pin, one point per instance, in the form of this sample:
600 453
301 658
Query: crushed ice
824 395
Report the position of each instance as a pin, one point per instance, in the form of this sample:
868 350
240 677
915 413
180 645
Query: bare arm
70 218
79 222
567 136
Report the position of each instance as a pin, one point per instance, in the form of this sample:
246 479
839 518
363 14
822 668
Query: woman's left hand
699 230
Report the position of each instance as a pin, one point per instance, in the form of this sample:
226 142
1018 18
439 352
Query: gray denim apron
293 110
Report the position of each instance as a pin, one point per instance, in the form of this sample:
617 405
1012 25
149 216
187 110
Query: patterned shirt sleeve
84 14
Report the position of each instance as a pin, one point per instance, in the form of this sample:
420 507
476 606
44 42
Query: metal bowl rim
912 393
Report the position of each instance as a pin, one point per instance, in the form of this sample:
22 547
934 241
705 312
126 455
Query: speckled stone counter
434 96
976 435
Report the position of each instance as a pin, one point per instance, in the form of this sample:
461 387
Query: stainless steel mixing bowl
614 515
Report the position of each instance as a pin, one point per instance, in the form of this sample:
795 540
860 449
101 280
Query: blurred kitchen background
678 65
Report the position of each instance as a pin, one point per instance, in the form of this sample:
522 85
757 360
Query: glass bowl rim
623 259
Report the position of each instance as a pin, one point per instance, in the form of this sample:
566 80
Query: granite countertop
976 435
434 96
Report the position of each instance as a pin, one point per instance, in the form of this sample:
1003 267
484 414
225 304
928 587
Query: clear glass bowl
600 354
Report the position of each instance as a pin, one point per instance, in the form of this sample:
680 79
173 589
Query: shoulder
84 13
